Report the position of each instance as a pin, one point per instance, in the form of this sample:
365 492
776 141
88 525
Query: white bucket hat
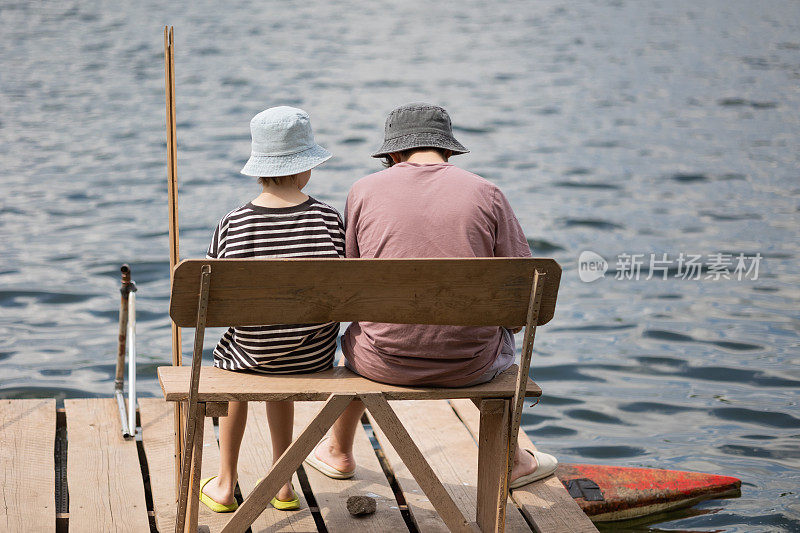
283 144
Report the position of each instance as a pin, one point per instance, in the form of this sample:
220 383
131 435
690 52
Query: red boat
609 493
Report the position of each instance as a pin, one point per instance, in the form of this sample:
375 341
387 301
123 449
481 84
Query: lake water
619 127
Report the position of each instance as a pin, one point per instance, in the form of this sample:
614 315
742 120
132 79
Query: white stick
131 345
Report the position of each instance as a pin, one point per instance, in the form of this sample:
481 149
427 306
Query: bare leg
280 416
231 431
524 464
337 451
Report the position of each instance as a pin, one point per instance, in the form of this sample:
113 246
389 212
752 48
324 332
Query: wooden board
452 453
223 385
369 480
546 503
255 460
106 491
157 438
459 292
27 465
425 516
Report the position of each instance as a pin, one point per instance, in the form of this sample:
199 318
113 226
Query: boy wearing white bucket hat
280 222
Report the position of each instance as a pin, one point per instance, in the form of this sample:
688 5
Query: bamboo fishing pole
172 193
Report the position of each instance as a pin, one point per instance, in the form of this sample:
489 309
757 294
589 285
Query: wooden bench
459 292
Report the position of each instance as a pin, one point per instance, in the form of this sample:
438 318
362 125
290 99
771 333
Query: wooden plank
545 503
157 438
217 409
193 505
424 515
106 490
459 292
492 464
287 464
255 460
369 480
518 403
417 463
192 424
451 451
27 465
222 385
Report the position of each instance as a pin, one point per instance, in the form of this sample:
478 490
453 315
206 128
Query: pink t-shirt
421 211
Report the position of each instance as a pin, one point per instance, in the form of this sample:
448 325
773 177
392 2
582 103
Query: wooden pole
123 326
522 380
172 193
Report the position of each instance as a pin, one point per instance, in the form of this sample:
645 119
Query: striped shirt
310 229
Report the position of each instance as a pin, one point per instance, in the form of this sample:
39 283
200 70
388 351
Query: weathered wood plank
492 468
27 465
255 460
467 292
106 491
157 438
193 488
425 516
369 480
546 503
189 492
452 453
222 385
417 463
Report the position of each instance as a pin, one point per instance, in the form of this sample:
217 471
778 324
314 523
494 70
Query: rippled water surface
613 126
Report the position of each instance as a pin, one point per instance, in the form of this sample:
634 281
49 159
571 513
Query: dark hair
273 180
405 154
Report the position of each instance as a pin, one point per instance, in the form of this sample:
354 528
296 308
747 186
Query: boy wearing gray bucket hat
424 206
280 222
414 126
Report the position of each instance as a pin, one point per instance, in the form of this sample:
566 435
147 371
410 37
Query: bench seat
217 385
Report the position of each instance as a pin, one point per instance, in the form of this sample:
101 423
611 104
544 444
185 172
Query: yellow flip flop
211 504
289 505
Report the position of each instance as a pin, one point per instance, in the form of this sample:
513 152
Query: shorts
503 361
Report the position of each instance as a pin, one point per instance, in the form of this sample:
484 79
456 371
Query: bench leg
492 467
189 491
197 463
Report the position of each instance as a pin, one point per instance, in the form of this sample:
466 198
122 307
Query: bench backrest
460 292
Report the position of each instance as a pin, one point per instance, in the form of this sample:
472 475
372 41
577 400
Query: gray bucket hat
283 144
419 125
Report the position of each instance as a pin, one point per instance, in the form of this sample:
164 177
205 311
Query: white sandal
324 467
546 466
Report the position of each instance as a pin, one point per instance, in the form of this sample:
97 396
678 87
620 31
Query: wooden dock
71 470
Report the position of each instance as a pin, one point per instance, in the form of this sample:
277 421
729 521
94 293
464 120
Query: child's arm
216 250
340 248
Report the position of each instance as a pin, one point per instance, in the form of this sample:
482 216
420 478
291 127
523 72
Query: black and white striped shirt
310 229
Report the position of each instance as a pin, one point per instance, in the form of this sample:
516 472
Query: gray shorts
504 360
